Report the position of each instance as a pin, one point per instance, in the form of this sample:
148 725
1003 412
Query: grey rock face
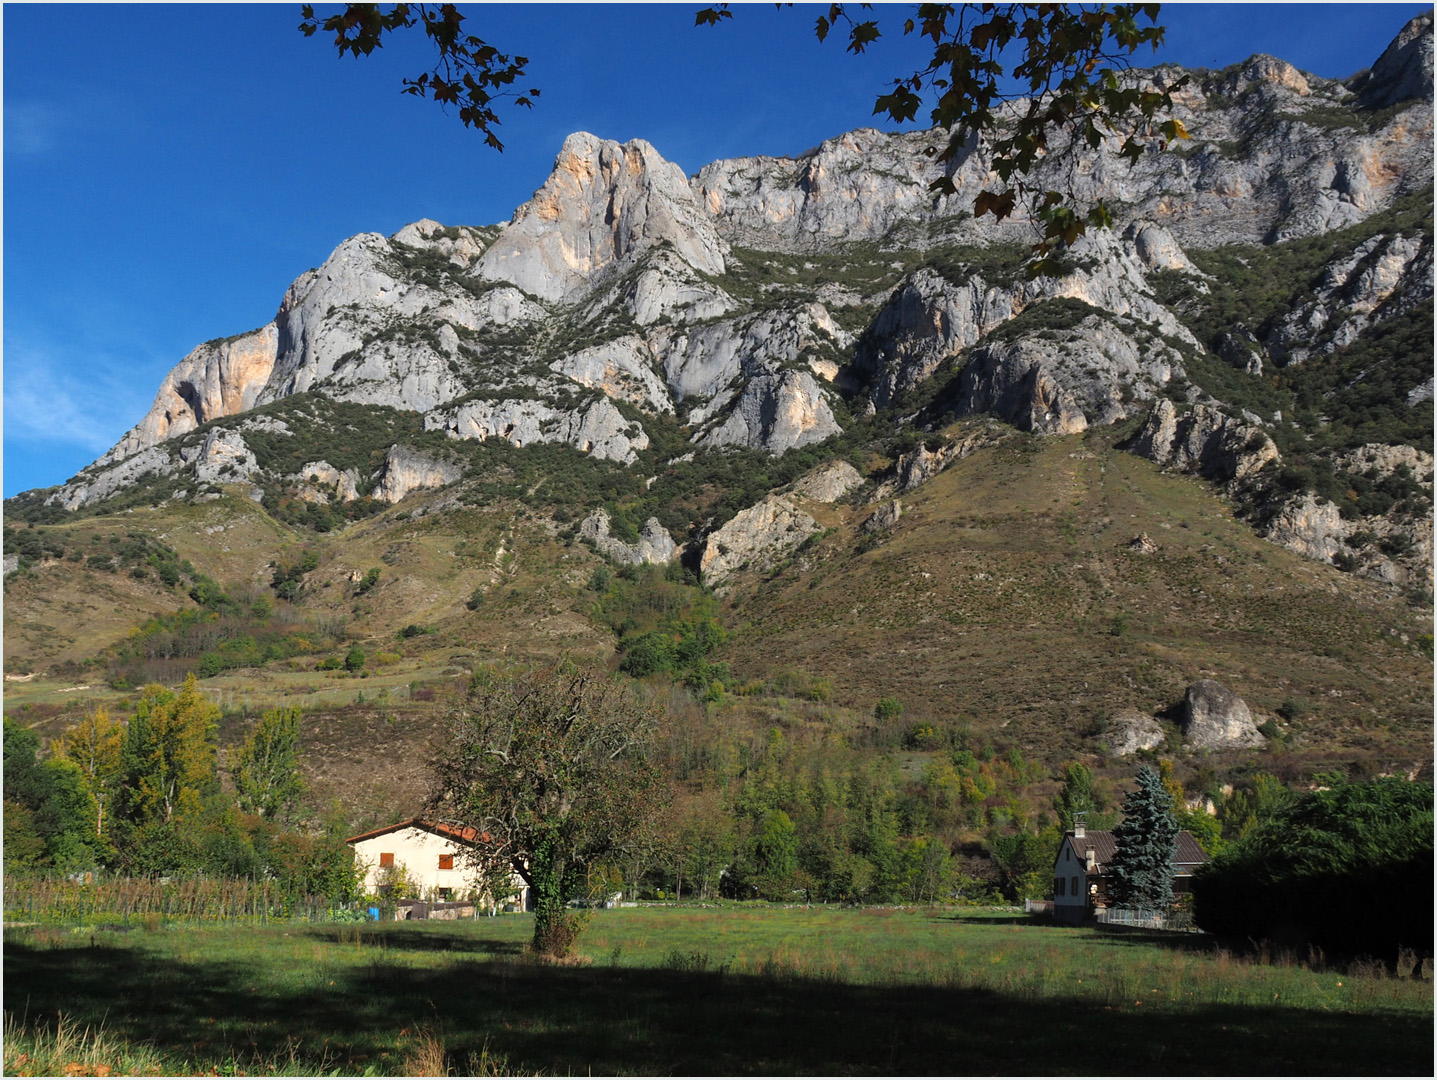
405 471
621 369
223 457
319 481
96 482
776 412
598 429
929 320
1383 277
1205 441
1404 70
828 483
1395 547
1130 731
756 539
1214 718
603 204
655 544
884 518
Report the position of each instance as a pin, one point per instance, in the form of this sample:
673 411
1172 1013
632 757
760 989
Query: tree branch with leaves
547 769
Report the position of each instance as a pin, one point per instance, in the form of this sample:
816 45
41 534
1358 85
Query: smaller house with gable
431 854
1080 874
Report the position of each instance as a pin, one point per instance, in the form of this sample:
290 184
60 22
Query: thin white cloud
47 406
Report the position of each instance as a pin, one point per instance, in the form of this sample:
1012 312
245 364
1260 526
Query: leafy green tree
550 768
1024 861
266 772
1141 874
1348 869
1076 796
775 854
168 766
354 659
54 810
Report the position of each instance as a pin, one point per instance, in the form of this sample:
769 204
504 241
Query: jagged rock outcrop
622 369
404 471
929 320
919 465
1383 277
1404 70
654 545
1130 731
598 429
754 539
1395 547
218 378
603 204
97 483
1206 441
777 412
319 482
1143 544
223 458
1214 718
828 483
884 518
1296 175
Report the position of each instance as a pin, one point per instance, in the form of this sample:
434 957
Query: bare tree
549 768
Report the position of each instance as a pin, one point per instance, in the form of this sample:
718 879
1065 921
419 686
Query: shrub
888 708
1348 869
354 660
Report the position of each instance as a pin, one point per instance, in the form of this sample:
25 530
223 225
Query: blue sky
169 169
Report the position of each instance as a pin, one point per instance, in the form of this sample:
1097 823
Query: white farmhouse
1080 873
431 854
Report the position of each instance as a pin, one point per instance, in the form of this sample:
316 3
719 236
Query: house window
446 862
1076 890
1058 884
445 893
386 858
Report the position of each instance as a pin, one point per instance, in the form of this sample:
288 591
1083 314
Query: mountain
761 371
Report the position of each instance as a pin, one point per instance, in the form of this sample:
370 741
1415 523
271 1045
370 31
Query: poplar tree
169 771
266 773
1142 869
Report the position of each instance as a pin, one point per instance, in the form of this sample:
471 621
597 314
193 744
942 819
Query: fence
106 898
1147 919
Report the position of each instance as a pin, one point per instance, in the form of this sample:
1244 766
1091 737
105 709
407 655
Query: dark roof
466 834
1105 847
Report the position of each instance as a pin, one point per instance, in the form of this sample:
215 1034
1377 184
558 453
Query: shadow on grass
563 1020
415 939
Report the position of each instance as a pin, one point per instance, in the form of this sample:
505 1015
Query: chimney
1090 857
1080 830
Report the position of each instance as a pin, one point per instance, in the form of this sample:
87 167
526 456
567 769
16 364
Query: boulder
1130 731
1214 718
885 517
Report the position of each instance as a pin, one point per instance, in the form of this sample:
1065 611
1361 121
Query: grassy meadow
688 990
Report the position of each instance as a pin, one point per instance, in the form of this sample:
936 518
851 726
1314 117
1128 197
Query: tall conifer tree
1147 840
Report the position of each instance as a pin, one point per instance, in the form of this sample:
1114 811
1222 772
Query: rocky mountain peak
604 204
1404 70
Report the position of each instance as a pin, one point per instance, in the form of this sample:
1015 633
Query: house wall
1070 900
418 851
